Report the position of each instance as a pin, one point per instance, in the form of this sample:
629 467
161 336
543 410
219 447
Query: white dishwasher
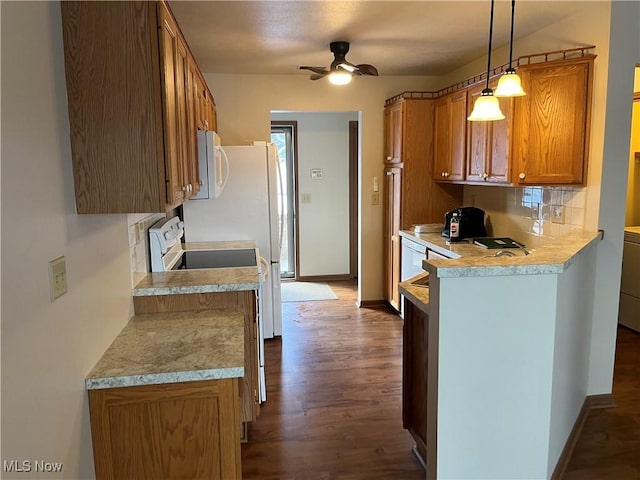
629 313
413 253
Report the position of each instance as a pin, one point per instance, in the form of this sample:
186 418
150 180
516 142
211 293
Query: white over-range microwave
213 165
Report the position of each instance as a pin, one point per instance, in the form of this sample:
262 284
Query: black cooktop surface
197 259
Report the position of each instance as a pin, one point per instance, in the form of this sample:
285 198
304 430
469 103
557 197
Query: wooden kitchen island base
178 430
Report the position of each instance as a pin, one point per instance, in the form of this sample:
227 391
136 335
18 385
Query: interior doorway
323 193
284 135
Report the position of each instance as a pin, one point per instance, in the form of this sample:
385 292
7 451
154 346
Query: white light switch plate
57 278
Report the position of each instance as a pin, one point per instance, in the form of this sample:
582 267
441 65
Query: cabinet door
488 143
212 119
442 138
170 61
393 116
174 430
185 142
392 221
193 174
414 374
450 137
552 123
458 136
478 139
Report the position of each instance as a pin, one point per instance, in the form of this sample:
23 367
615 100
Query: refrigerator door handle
265 264
280 203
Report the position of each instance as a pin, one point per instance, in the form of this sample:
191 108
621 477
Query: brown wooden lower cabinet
414 376
178 430
244 301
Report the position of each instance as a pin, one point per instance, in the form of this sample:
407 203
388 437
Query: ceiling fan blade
366 69
318 70
317 76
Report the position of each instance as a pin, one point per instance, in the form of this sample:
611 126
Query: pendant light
487 108
510 84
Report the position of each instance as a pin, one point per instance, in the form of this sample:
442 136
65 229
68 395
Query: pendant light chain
513 8
490 39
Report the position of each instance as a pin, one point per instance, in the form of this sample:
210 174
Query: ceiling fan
341 71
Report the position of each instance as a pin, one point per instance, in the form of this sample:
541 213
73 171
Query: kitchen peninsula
507 352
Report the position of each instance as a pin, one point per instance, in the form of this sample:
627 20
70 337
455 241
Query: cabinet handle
521 176
485 175
185 188
389 158
201 182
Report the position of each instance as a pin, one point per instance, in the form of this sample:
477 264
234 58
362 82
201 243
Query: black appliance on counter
471 222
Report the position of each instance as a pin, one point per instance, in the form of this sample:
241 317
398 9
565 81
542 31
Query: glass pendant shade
340 78
509 85
486 108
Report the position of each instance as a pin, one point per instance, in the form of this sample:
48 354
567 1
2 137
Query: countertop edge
185 289
554 258
419 296
161 378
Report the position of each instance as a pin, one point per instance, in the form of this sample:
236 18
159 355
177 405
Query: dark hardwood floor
609 446
334 392
333 407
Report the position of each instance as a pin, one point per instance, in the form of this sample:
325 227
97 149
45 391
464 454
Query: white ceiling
398 37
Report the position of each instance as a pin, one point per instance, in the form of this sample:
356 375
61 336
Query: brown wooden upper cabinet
450 137
393 119
488 143
552 123
133 113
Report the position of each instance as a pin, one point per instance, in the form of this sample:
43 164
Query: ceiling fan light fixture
486 108
340 78
509 85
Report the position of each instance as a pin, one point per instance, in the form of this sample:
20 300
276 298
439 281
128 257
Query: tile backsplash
138 226
531 215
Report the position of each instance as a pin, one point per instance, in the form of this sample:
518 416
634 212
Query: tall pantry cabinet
411 195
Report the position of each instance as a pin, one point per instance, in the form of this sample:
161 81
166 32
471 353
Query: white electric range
167 254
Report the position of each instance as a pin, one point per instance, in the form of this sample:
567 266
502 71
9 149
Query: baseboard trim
371 304
324 278
591 402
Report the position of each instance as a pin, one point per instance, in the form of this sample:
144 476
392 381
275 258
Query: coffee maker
471 222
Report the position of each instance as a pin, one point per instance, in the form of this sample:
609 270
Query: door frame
353 197
293 124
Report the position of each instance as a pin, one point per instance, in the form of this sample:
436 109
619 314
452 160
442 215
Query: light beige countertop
418 295
468 260
159 348
207 280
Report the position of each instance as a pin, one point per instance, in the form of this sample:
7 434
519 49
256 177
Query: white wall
48 348
244 103
495 364
624 54
323 143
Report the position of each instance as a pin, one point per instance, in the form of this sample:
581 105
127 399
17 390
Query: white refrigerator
247 209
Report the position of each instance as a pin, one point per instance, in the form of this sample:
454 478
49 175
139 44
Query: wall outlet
306 198
535 211
557 213
375 198
57 278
